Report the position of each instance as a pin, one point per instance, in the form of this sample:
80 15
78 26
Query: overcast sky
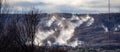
66 6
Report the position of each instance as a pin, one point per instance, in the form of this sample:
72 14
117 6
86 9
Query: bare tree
12 32
31 23
4 6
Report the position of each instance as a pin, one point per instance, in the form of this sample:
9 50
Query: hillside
60 29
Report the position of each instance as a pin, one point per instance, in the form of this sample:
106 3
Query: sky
65 6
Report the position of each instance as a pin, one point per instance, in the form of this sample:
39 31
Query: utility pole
0 5
109 19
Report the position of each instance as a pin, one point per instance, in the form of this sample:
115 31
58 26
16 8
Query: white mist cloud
64 27
41 36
